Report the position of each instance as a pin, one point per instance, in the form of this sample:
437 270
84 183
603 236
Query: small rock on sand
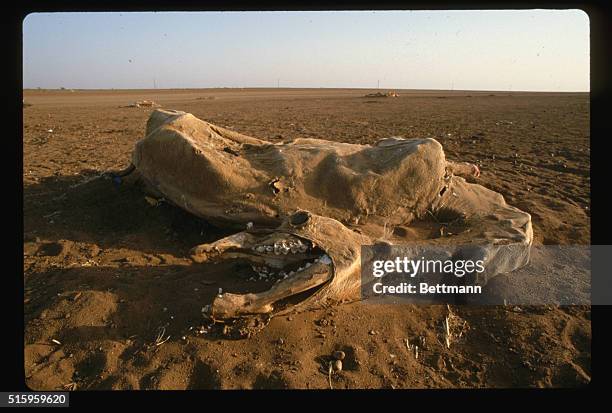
337 365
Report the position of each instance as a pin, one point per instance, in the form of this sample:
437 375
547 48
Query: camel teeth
286 276
269 248
277 249
307 265
260 248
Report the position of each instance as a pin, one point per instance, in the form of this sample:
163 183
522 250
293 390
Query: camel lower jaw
228 305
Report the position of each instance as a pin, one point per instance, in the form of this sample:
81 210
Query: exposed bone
315 271
242 246
203 252
235 305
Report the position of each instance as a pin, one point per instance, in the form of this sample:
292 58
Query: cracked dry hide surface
226 177
97 238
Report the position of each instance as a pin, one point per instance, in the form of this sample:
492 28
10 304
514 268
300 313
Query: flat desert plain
112 300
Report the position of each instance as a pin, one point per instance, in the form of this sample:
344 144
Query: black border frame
13 378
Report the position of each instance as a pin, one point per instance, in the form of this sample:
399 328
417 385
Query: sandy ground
106 272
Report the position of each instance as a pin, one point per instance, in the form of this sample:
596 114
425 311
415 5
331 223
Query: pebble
339 355
338 365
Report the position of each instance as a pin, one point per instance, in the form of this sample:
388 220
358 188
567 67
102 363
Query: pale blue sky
543 50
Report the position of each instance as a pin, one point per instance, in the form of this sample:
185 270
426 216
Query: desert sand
112 300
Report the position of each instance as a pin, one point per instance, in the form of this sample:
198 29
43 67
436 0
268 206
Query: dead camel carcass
309 204
382 95
142 104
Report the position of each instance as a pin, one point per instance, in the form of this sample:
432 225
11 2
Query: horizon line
313 88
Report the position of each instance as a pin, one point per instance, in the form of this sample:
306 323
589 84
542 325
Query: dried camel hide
345 195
